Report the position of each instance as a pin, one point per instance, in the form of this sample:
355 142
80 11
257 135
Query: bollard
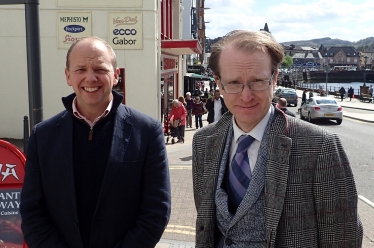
26 133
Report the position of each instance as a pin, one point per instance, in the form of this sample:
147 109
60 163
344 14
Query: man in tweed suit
300 190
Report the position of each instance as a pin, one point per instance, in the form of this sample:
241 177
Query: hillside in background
328 42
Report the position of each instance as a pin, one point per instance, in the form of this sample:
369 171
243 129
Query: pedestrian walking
216 107
198 110
350 93
189 102
342 93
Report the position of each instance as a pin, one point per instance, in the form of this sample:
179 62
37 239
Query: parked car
287 93
321 107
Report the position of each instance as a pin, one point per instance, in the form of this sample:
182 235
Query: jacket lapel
64 127
279 148
121 137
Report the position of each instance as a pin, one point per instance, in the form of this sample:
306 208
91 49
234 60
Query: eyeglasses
235 87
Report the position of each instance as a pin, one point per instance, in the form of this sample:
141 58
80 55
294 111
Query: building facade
144 34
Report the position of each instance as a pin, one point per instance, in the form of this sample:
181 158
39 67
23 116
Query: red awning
181 47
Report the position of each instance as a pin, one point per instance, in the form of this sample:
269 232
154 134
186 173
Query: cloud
294 20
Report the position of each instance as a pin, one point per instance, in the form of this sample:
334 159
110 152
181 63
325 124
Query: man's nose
91 75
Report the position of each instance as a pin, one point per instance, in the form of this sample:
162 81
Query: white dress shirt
217 109
257 132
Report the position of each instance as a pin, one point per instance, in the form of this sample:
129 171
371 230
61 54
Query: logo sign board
12 173
100 3
169 63
73 26
126 30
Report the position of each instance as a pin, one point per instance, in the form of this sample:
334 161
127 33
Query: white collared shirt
80 116
217 109
257 132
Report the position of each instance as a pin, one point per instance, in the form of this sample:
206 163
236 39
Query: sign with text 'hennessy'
12 173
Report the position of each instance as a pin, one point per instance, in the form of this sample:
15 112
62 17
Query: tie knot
244 142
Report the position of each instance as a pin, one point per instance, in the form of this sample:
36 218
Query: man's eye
233 83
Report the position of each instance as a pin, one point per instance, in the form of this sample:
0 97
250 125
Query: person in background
311 94
260 178
182 100
371 90
198 110
216 107
178 113
342 93
97 173
282 104
350 93
189 102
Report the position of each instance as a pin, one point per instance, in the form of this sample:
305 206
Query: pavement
180 231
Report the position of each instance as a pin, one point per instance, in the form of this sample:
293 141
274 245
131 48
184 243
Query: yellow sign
125 30
72 26
100 3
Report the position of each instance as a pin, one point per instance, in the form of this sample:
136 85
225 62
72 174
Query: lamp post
327 69
365 60
296 68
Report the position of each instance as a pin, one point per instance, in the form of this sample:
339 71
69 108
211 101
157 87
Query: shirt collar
81 117
257 132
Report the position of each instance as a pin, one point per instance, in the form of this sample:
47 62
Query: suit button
228 241
201 228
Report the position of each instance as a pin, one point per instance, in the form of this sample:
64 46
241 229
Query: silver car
321 107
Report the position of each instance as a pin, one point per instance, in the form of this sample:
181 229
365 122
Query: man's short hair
282 102
188 94
247 41
92 39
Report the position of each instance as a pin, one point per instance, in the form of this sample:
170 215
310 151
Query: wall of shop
141 64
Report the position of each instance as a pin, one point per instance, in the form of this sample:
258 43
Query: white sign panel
73 26
126 30
100 3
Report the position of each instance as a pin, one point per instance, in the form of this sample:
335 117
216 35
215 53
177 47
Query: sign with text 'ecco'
73 26
126 30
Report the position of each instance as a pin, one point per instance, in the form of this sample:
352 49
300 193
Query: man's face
91 75
217 95
248 107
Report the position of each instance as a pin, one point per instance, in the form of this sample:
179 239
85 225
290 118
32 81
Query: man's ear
116 76
67 76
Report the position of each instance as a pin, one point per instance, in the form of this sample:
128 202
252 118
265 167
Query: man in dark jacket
282 104
216 107
342 92
97 173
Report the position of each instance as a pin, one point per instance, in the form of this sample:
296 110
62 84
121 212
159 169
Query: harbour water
332 87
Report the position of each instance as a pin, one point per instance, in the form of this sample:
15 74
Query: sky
292 20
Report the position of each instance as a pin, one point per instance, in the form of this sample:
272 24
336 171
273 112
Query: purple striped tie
240 171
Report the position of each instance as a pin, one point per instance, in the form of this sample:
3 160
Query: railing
330 89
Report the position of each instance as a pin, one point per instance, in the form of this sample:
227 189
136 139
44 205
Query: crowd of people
184 109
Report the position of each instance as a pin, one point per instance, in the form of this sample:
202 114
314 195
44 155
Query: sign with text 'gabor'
73 26
126 30
100 3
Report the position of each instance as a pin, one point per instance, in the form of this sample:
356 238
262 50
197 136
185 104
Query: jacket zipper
90 133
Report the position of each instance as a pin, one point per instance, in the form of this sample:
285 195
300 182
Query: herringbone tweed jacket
310 193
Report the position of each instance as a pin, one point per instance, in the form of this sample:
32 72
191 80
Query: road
358 141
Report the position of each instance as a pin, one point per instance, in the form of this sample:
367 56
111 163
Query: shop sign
73 26
101 3
126 30
169 63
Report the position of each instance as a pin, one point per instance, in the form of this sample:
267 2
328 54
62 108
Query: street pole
327 69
